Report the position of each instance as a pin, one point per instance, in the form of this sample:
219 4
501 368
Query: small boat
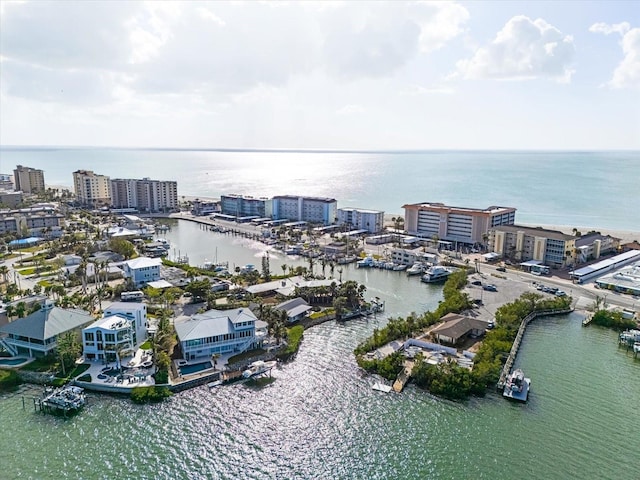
215 384
436 274
517 386
366 262
258 368
416 269
636 347
399 268
381 387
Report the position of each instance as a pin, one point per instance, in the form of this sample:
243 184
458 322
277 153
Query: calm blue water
581 189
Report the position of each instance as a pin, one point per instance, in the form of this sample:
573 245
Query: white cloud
439 22
350 110
607 29
523 49
434 90
627 73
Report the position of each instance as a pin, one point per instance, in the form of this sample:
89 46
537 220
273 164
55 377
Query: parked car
476 282
560 293
501 269
490 288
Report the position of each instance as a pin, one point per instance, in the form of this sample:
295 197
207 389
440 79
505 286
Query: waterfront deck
403 376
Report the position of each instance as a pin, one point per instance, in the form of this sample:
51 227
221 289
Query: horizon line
311 150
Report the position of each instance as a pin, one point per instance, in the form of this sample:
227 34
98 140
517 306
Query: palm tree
4 271
284 267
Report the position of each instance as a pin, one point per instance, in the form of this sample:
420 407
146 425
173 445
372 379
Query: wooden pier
403 376
506 370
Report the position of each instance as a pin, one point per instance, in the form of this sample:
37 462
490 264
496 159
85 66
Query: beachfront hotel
245 206
455 224
361 219
217 332
522 244
144 195
28 180
92 190
306 209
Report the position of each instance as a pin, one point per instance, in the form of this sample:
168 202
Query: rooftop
534 232
211 323
440 206
457 325
47 322
110 322
143 262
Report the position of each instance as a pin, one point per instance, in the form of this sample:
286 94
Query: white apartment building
308 209
246 206
145 195
91 189
455 224
28 180
362 219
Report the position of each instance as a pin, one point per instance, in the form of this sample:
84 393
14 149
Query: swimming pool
12 361
194 368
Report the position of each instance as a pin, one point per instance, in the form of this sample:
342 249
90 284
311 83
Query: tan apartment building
28 180
145 195
521 244
91 189
455 224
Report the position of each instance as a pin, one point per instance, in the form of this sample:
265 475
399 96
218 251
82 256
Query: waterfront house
107 337
216 332
296 308
136 314
36 334
142 270
456 327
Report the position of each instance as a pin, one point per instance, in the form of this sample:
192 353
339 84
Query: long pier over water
516 343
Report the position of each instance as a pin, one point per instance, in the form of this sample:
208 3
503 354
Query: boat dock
403 376
506 370
69 399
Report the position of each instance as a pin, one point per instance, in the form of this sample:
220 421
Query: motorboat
416 269
517 386
435 274
258 368
366 262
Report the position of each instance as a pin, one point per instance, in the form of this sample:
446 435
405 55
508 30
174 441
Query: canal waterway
319 418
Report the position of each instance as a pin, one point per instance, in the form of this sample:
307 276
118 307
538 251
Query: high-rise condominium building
28 180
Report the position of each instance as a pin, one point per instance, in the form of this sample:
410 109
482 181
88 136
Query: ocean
578 189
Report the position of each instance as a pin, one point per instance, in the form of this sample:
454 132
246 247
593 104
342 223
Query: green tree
68 347
123 247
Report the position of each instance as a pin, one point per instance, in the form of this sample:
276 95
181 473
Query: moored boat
416 269
258 368
517 386
435 274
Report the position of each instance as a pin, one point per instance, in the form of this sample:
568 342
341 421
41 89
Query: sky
321 75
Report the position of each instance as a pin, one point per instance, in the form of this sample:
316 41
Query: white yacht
436 273
417 268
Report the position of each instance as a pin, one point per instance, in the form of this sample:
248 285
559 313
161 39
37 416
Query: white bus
134 296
